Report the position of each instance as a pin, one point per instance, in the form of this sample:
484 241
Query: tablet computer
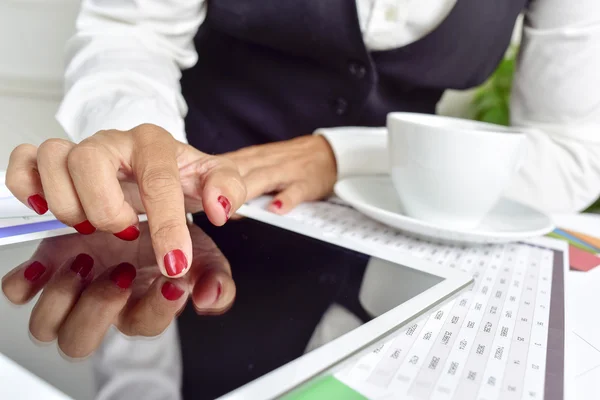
395 289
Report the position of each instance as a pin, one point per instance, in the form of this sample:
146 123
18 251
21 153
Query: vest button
340 106
357 69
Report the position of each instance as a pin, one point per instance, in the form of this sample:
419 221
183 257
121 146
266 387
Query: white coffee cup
451 171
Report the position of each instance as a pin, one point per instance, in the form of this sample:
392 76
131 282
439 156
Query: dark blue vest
272 70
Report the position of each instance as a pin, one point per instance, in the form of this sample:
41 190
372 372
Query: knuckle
23 150
106 216
167 229
52 148
146 128
82 154
67 214
158 184
211 163
103 133
145 133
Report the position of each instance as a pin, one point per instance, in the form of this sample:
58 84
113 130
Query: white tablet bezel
299 371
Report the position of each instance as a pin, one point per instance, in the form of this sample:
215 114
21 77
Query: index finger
154 164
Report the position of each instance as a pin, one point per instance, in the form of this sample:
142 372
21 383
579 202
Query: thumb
290 197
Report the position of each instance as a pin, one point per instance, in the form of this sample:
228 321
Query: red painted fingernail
175 262
85 228
123 275
34 271
38 204
171 291
277 204
130 234
82 265
225 204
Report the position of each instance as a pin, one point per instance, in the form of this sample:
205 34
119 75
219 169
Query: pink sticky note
582 260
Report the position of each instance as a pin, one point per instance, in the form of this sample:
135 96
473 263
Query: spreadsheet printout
502 339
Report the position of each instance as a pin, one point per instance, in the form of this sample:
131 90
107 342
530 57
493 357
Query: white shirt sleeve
357 150
124 64
556 94
556 91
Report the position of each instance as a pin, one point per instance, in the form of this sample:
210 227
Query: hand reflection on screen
89 283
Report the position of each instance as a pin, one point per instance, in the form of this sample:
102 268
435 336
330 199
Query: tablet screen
294 294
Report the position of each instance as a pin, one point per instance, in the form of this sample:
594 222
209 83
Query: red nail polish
82 265
277 204
38 204
85 228
225 204
171 291
130 234
123 275
175 262
34 271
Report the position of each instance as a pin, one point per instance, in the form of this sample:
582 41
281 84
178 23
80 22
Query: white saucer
509 221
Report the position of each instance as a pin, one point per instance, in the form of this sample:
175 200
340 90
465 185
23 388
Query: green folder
324 388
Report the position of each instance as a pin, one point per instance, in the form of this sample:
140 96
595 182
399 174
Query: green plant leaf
503 76
498 115
489 99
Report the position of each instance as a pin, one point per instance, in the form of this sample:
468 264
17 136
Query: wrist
326 151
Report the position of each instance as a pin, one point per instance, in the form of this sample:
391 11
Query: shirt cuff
116 112
358 150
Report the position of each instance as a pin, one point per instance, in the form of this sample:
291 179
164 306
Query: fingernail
34 271
175 262
130 234
170 291
123 275
38 204
82 265
225 204
277 204
85 228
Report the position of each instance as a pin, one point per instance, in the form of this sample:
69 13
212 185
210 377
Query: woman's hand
108 179
297 170
89 283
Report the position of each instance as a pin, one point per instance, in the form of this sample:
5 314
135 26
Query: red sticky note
582 260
